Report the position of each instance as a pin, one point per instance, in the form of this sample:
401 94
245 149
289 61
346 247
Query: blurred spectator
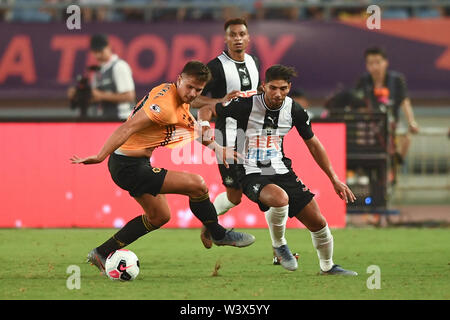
55 13
100 13
182 10
432 11
264 10
244 9
385 90
196 10
358 9
446 11
133 13
314 12
112 91
6 14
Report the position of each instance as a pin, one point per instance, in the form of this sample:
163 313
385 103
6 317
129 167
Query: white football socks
222 204
323 242
276 218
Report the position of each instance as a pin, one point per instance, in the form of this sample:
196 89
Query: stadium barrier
425 174
40 187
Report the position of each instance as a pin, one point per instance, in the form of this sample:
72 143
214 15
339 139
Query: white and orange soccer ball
122 265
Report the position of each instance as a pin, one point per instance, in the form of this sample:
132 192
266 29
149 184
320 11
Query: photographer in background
386 91
111 93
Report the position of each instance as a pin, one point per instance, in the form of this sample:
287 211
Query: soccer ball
122 265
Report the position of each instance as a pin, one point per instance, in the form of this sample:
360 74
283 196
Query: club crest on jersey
155 108
228 181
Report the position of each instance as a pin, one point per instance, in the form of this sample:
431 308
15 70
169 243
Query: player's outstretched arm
206 113
320 156
138 122
202 101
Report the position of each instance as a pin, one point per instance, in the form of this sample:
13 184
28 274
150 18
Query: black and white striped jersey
258 132
229 75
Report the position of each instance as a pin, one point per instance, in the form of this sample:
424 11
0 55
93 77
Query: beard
274 103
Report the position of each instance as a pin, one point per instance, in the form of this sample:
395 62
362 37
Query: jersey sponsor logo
265 142
248 93
264 148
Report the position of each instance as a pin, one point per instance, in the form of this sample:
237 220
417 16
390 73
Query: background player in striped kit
234 73
269 180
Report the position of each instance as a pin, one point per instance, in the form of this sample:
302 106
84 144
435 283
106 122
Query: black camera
83 92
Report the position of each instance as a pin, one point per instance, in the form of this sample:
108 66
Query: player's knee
320 223
234 197
280 199
198 186
274 196
236 200
157 218
163 220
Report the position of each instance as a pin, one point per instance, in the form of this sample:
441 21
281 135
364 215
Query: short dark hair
280 72
234 21
98 42
375 51
197 70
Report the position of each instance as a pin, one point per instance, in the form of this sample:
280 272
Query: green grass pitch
414 264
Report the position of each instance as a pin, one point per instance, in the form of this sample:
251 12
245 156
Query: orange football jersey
172 123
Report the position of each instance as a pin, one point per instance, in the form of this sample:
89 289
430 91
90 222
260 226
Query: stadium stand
185 10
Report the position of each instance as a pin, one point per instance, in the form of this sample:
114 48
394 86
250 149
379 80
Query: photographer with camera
109 93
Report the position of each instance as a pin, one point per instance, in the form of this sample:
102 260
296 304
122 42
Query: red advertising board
39 187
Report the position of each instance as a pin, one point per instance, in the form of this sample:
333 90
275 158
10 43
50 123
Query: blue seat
396 13
428 13
29 14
